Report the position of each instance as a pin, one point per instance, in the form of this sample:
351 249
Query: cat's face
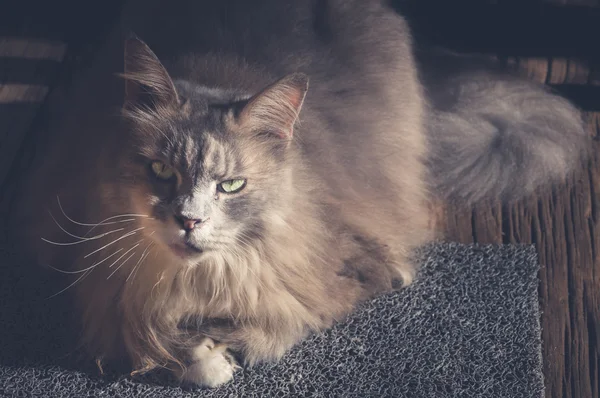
208 167
207 187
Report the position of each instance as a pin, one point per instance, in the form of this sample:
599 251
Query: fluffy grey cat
267 166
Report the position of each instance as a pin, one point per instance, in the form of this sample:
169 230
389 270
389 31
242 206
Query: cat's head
209 166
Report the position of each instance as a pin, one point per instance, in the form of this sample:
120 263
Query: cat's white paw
212 365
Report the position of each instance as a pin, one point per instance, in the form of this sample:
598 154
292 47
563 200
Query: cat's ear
276 108
147 82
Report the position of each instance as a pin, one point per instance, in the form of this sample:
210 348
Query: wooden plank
19 93
24 48
20 99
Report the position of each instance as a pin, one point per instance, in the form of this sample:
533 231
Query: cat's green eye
162 171
232 186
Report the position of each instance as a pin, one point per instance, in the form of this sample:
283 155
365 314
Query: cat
267 166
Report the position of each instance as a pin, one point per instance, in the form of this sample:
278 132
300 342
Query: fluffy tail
494 134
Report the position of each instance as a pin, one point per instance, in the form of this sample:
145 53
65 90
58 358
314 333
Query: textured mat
468 327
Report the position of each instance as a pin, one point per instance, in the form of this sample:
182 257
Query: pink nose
189 224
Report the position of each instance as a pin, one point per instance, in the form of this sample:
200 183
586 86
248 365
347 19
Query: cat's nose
189 224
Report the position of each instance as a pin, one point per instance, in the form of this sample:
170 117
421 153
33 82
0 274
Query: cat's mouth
185 249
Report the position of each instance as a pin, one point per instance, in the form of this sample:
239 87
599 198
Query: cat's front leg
211 364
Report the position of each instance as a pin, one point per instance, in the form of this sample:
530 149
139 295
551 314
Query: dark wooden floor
564 224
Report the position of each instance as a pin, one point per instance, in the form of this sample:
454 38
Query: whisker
124 254
116 240
103 222
145 254
72 284
120 257
82 238
139 266
120 265
88 268
108 223
142 257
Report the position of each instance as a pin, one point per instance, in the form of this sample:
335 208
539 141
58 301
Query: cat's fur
477 150
319 105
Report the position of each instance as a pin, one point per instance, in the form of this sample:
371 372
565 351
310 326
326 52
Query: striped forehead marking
215 157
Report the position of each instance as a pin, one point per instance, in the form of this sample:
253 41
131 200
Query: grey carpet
468 327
